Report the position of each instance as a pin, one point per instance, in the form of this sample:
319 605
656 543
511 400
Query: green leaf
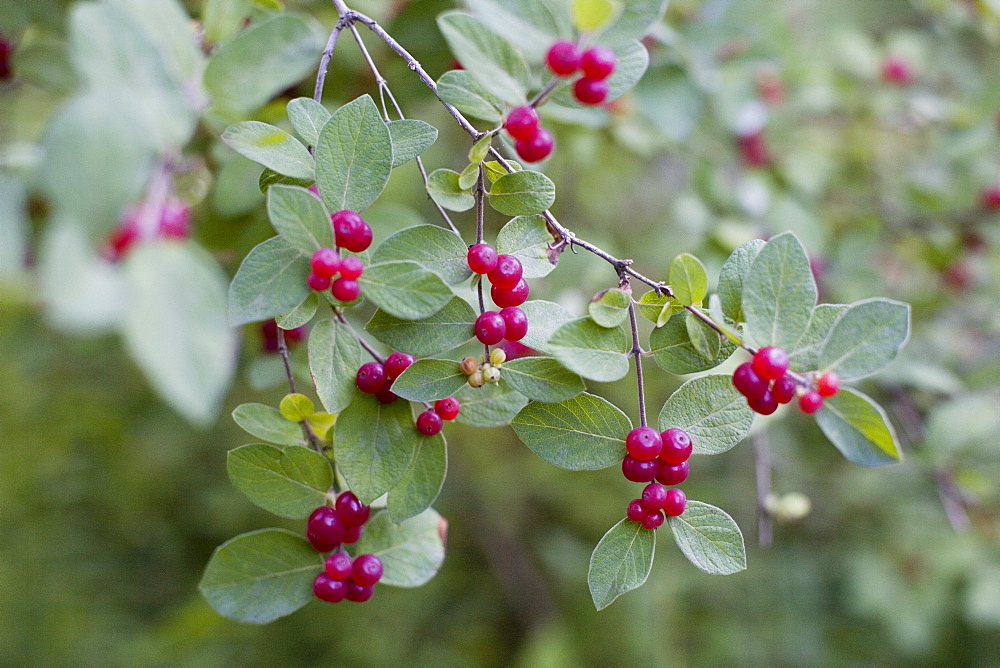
469 176
522 193
260 576
585 433
594 352
865 338
267 423
176 329
409 139
494 170
288 482
270 146
542 379
298 216
779 293
307 117
422 482
429 380
270 281
492 405
296 407
374 444
859 428
460 89
609 308
544 318
480 150
673 351
633 61
334 359
353 156
222 19
444 188
405 289
590 15
688 279
447 329
731 276
635 21
805 357
411 552
527 238
489 58
710 539
434 247
621 562
270 56
269 177
711 411
300 315
705 341
530 25
651 305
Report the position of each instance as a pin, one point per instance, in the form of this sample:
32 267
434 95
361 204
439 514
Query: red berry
175 218
346 227
753 150
673 474
367 570
676 502
537 147
590 91
746 380
325 262
447 408
522 123
295 335
810 402
386 395
783 390
351 511
6 68
598 62
352 535
764 404
122 240
643 443
317 282
563 58
363 240
359 593
396 363
654 495
676 446
429 423
338 566
770 362
370 377
346 289
507 272
351 267
324 529
653 521
490 328
482 258
896 71
636 512
828 384
990 198
515 296
639 471
328 589
517 324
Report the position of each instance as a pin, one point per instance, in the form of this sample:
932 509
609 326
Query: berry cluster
429 422
376 378
327 529
172 222
532 142
351 233
662 457
509 290
481 371
597 64
765 383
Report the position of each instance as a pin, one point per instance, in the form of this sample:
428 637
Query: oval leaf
447 329
731 276
522 193
621 562
594 352
609 308
544 318
423 480
405 289
267 423
445 189
460 89
289 483
779 293
688 279
307 117
710 539
270 146
436 248
299 217
859 428
527 238
673 351
489 58
492 405
865 337
430 380
542 379
334 358
711 411
409 139
270 281
411 552
374 445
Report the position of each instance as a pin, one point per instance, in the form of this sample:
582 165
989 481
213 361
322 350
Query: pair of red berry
429 422
657 456
764 382
328 527
351 233
656 500
172 222
532 142
343 578
597 64
376 378
509 290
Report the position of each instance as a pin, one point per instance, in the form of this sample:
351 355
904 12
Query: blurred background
868 128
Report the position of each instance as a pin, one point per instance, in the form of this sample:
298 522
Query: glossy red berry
396 363
367 570
324 529
506 273
522 123
746 380
370 377
783 390
363 240
643 443
329 589
598 62
537 147
345 289
429 423
347 228
515 296
516 321
351 267
352 535
653 521
828 384
386 395
490 328
359 593
563 58
351 511
590 91
338 566
325 262
482 258
764 404
673 474
676 502
654 495
636 512
448 408
637 470
317 282
677 446
810 402
770 362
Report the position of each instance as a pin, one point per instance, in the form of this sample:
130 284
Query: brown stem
307 431
637 352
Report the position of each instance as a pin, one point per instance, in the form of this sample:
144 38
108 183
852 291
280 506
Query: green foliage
308 117
865 337
460 88
410 138
271 280
594 352
289 482
580 434
522 193
528 239
334 358
620 562
673 350
299 218
711 411
859 428
609 308
732 275
490 405
411 551
436 248
404 289
267 423
422 481
445 330
270 146
429 380
542 379
779 293
494 63
444 188
710 539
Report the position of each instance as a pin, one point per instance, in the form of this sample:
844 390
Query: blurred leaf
673 351
865 338
609 308
711 411
404 289
267 423
307 117
260 576
270 146
353 156
411 552
530 25
334 359
447 329
374 444
688 279
461 89
633 61
271 280
779 293
527 238
222 19
423 480
589 15
964 425
859 428
585 433
298 216
489 58
434 247
444 188
409 139
542 379
522 193
621 562
594 352
635 21
300 315
290 482
13 227
705 341
732 275
321 424
710 539
429 380
805 357
492 405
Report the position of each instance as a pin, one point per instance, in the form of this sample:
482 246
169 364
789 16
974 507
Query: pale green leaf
594 352
270 281
267 423
609 308
590 15
528 239
461 89
673 351
489 58
374 444
405 289
711 411
859 428
447 329
423 480
635 21
779 293
480 149
522 193
688 279
544 318
411 552
307 117
444 188
288 482
434 247
270 146
298 216
492 405
409 139
621 562
296 407
542 379
732 275
805 357
530 25
334 359
710 539
865 338
429 380
300 315
704 340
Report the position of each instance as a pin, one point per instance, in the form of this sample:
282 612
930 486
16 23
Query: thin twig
364 344
637 352
307 431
